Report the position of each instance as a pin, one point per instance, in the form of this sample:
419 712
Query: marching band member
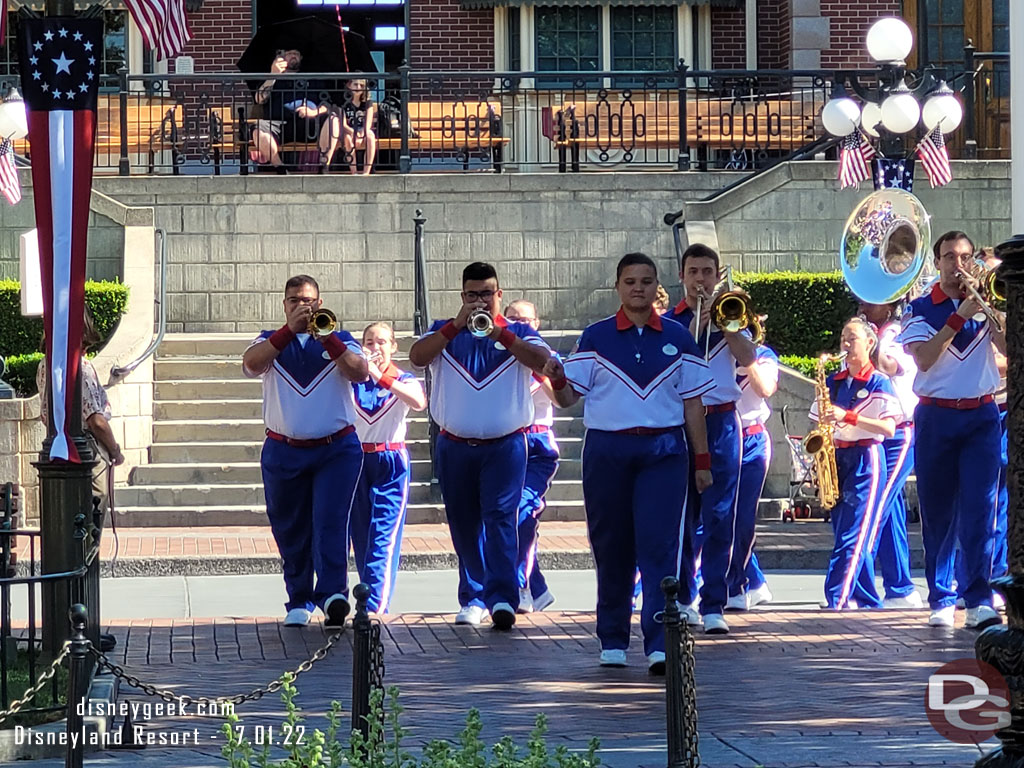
378 512
541 465
889 537
481 400
642 378
311 458
864 411
699 274
758 382
956 454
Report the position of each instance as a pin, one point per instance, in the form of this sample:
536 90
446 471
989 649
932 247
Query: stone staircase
208 429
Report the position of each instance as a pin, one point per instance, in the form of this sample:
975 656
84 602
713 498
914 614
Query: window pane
1000 11
952 12
514 62
645 37
115 44
567 38
952 44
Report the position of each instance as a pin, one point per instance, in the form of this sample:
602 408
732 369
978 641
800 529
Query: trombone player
716 512
951 334
311 458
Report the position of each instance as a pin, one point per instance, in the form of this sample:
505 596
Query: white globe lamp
840 116
943 110
13 118
870 117
900 110
890 41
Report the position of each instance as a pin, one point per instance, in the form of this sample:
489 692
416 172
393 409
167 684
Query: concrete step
255 515
226 452
239 388
191 368
248 472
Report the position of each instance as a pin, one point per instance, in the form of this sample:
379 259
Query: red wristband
449 331
702 461
851 418
335 347
558 384
386 380
956 322
506 338
281 338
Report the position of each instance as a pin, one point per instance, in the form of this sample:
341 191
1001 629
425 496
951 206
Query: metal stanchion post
361 662
680 685
78 685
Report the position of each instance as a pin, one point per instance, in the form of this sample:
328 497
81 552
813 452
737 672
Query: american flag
853 160
935 158
163 25
10 186
60 61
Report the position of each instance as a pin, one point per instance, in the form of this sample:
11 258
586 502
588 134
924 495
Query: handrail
117 373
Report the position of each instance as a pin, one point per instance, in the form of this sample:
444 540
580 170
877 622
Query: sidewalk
802 545
788 689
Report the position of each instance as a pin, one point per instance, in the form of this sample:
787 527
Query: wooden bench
451 129
637 127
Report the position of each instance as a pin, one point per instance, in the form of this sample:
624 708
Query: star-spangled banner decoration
59 59
894 173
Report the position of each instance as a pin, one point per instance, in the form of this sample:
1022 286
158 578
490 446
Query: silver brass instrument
732 311
992 293
819 442
323 322
480 323
885 246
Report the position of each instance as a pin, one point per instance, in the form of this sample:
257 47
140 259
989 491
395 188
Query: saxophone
819 442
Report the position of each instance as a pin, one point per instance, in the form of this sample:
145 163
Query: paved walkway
787 689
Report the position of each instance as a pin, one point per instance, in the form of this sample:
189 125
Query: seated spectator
290 116
358 129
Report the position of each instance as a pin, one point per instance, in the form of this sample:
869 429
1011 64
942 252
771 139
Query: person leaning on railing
96 413
290 116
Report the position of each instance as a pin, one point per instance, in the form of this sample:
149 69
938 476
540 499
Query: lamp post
892 109
1003 647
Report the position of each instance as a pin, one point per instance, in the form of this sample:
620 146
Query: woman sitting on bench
289 116
360 115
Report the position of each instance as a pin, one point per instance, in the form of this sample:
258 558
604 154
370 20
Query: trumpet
991 296
323 322
480 323
732 311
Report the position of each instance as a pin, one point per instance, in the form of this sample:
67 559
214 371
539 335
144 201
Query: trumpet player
311 458
957 450
481 401
699 275
378 512
863 411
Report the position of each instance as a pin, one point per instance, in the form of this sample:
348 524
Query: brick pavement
786 689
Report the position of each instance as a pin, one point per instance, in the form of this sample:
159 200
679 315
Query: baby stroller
803 489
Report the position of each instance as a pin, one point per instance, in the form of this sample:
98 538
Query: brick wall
444 36
221 30
773 34
728 38
849 23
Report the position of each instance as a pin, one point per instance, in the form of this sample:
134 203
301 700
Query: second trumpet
480 323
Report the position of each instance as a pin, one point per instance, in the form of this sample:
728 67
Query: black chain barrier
680 682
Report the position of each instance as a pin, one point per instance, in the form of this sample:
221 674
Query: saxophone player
861 406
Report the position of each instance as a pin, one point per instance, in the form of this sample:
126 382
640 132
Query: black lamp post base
1003 648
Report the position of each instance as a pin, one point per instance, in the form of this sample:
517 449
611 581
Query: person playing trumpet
311 458
957 450
378 512
716 512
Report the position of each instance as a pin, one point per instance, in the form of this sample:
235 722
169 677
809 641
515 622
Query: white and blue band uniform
311 461
717 507
745 574
957 450
378 513
541 466
892 544
635 461
850 580
480 398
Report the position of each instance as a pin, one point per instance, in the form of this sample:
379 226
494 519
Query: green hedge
807 365
21 337
806 310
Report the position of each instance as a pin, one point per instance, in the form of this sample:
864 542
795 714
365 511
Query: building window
643 38
515 60
115 41
567 39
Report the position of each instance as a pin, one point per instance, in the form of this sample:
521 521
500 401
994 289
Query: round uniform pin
326 355
669 349
499 346
862 394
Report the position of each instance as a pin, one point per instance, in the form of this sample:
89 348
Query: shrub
806 310
21 373
806 365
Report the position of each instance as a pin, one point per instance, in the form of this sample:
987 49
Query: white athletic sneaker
714 624
759 596
471 614
911 601
503 617
613 658
942 617
981 617
525 602
336 608
998 602
543 601
737 603
656 663
297 617
691 615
